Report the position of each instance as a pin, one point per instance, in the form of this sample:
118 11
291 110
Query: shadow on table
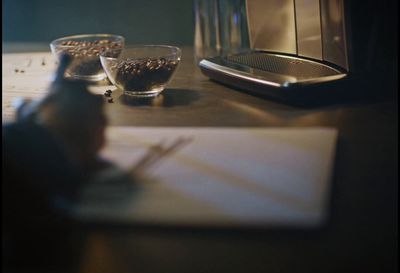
168 98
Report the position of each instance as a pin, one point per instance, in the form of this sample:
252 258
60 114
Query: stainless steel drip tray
272 69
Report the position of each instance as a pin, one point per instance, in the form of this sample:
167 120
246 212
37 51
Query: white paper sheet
224 177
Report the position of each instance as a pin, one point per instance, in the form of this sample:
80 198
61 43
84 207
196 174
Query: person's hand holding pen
75 117
72 114
48 153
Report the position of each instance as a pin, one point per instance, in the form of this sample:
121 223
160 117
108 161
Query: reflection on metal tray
271 69
301 69
279 76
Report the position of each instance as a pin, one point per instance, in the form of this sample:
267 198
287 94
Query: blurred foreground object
72 114
48 153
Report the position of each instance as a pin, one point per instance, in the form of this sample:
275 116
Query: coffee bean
82 48
86 54
143 74
162 62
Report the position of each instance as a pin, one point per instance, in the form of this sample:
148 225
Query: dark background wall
145 21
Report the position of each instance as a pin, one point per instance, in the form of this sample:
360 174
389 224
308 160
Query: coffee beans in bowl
141 71
85 50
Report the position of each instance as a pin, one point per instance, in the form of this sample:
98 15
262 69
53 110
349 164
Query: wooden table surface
362 232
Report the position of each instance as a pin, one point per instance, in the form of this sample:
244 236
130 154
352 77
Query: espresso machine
294 51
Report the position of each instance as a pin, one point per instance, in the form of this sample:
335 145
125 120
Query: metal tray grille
296 67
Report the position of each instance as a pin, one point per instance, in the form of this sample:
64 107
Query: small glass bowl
85 50
143 70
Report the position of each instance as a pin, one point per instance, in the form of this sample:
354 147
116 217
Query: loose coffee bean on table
143 74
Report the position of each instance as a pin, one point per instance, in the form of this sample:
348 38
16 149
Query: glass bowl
143 70
85 50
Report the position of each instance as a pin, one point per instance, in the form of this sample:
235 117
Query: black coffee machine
305 51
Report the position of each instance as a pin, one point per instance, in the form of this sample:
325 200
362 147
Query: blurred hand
72 114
